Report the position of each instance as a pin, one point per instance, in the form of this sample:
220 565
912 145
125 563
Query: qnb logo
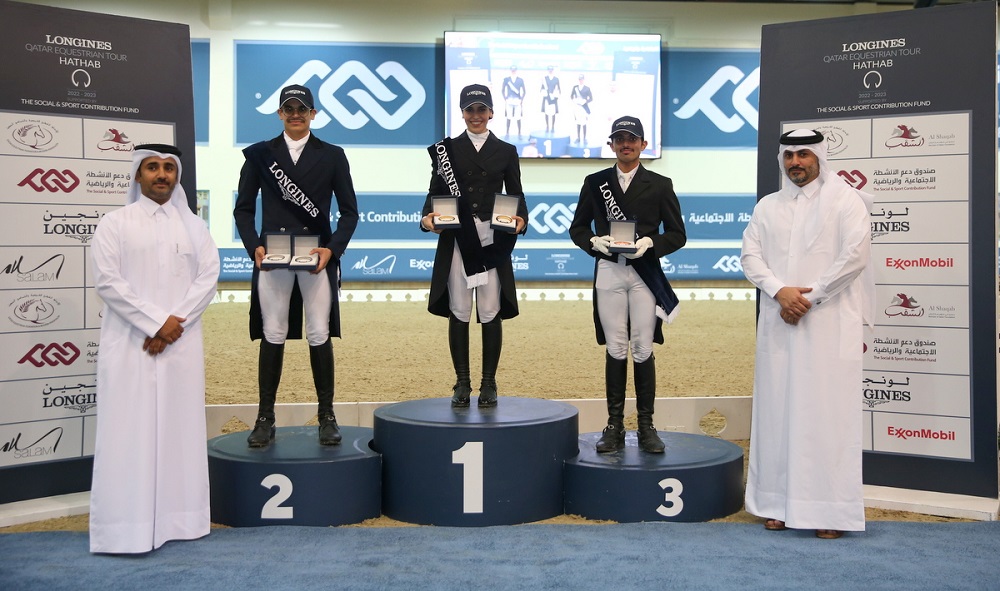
370 98
52 354
383 267
729 264
556 218
702 100
854 178
51 180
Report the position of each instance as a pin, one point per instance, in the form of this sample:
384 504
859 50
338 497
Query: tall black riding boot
458 342
645 395
613 437
321 361
268 377
492 345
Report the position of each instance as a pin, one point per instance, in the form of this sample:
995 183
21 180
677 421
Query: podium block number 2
272 509
470 456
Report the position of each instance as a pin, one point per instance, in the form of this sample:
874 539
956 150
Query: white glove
641 245
601 244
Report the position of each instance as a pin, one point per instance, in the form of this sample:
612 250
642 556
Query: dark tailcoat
323 173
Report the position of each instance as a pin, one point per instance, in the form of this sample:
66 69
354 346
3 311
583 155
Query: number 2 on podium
470 456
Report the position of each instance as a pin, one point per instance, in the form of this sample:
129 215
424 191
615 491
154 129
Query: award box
277 251
447 213
504 210
622 236
301 259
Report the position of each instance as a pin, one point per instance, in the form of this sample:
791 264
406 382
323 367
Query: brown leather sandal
774 525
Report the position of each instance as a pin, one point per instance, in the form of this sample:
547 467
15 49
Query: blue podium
471 466
698 478
294 481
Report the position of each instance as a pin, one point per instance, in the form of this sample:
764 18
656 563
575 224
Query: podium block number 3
470 456
673 505
272 508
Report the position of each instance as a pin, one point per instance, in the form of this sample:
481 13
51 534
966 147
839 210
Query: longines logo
51 180
116 141
32 135
79 397
36 269
52 354
79 226
702 100
34 310
371 97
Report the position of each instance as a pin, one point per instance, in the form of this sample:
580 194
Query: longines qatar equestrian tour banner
79 91
907 102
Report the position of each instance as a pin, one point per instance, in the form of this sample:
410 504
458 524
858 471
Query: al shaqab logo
116 141
371 97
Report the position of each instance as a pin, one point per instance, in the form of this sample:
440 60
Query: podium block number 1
470 456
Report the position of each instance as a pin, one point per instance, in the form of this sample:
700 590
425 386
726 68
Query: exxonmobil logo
939 434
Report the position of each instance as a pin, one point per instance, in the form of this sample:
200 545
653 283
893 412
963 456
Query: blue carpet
652 556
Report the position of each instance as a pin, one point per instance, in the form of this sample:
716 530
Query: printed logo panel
108 139
49 354
64 181
921 178
926 350
916 435
920 135
40 441
921 264
45 225
363 94
40 135
922 305
23 267
909 222
915 393
39 311
45 399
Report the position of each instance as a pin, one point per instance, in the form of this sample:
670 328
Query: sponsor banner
36 310
409 262
923 349
40 268
64 181
921 135
235 265
107 139
716 217
365 94
40 135
40 441
924 178
47 225
921 264
922 305
710 98
908 222
915 393
45 399
49 355
916 435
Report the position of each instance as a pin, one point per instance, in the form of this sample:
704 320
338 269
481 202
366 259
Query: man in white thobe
156 269
805 248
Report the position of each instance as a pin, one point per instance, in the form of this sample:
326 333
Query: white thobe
150 480
806 427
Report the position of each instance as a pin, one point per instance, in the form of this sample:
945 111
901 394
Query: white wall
727 25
